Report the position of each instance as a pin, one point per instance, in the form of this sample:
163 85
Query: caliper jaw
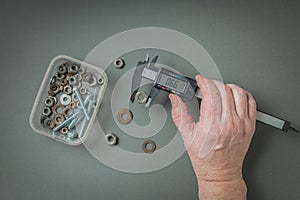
137 78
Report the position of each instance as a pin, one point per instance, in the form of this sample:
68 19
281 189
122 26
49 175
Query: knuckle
238 89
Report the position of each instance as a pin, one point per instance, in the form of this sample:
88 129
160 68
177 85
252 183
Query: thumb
181 117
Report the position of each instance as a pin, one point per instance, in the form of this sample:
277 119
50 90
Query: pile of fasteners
71 100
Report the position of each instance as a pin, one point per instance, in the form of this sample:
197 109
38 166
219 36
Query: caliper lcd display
171 83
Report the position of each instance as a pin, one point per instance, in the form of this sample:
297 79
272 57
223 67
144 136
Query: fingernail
173 99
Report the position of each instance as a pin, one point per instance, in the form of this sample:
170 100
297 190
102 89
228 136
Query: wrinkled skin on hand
218 142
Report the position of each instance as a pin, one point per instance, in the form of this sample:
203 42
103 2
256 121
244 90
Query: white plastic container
94 91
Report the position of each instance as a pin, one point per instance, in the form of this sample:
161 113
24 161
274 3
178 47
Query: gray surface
254 44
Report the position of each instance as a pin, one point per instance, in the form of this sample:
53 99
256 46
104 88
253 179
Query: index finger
211 104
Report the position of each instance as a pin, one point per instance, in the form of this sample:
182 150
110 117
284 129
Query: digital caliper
186 88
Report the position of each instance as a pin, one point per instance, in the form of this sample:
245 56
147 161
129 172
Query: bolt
81 103
79 118
66 121
85 119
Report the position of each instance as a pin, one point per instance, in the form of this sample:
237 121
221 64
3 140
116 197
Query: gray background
254 44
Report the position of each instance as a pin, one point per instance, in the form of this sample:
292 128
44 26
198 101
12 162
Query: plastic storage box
68 100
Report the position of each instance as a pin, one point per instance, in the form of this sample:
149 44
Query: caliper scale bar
186 88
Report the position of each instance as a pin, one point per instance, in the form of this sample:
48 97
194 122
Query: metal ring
111 139
119 63
124 116
65 99
141 97
146 144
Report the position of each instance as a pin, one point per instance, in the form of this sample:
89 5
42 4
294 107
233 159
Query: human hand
218 142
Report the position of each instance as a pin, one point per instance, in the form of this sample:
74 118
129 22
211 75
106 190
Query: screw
66 121
81 103
85 119
79 118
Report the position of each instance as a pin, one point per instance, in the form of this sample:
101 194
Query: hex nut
63 82
72 135
49 123
78 77
87 76
49 101
60 76
119 63
111 139
81 70
61 69
141 97
68 89
72 80
42 120
46 111
66 64
73 69
72 105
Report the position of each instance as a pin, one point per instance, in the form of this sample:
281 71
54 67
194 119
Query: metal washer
124 116
153 146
